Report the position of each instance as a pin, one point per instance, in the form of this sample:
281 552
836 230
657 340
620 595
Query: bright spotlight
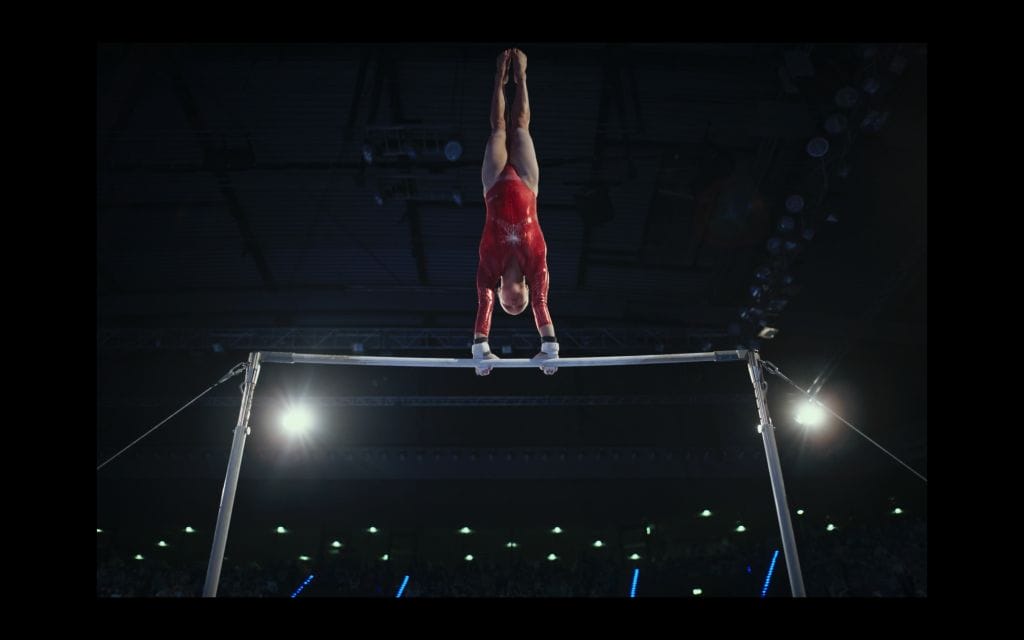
297 420
810 414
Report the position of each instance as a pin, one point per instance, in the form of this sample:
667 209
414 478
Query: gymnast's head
514 295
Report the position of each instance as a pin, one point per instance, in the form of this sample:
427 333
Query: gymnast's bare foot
518 65
503 62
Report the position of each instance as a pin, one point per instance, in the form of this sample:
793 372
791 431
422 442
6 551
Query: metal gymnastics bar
281 357
258 358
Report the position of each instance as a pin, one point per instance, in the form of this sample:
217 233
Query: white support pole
227 495
767 431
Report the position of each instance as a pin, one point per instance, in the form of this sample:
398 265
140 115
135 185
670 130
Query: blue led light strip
303 586
402 588
768 578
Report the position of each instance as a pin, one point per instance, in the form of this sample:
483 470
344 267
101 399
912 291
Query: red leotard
511 232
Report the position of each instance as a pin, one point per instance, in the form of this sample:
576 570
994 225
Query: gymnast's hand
548 356
482 353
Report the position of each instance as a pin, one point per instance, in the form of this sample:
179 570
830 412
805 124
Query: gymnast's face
514 295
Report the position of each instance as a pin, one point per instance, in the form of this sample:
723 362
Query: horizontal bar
283 357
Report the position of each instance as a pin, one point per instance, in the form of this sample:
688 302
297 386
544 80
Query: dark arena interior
763 200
